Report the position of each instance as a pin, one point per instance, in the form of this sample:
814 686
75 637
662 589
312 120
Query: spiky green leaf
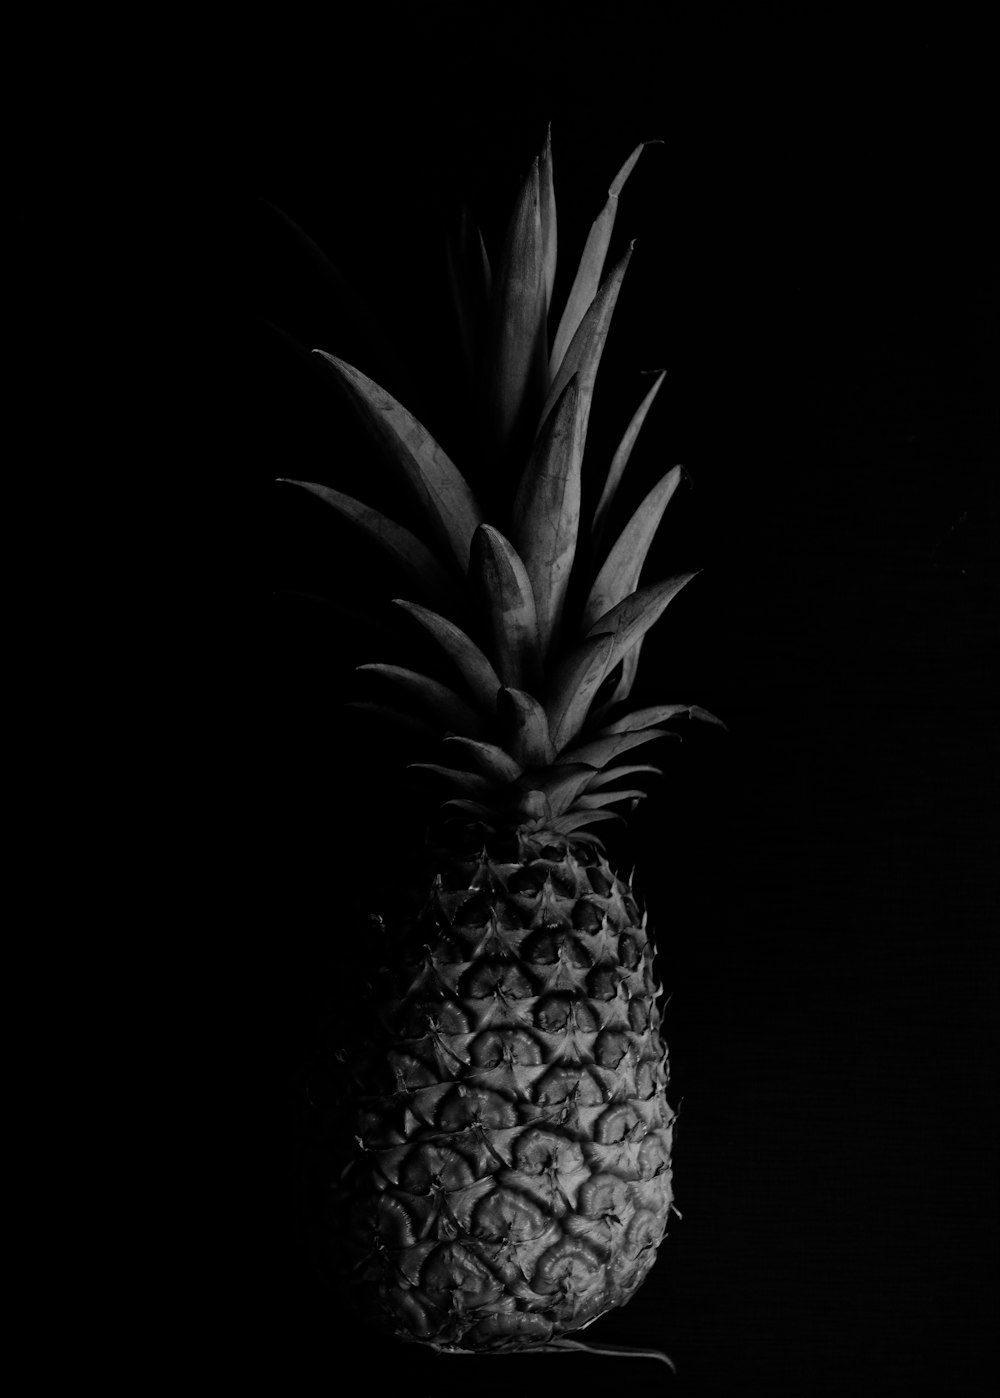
439 487
473 808
588 802
529 742
563 782
505 590
405 549
619 461
588 275
479 675
619 574
632 617
573 686
583 356
489 759
602 779
658 713
471 783
516 368
566 824
546 516
451 711
547 209
626 679
598 752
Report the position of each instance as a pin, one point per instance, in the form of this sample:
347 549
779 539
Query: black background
815 269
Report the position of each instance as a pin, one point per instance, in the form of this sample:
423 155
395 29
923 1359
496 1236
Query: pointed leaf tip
515 378
505 588
435 481
407 551
588 276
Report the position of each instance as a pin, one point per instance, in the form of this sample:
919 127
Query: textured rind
504 1175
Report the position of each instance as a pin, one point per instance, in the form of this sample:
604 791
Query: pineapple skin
488 1168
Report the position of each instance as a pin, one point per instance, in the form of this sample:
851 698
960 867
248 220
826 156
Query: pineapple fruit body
509 1178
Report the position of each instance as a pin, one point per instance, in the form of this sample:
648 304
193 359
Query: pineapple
489 1159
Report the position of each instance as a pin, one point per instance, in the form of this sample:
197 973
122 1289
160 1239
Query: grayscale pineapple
489 1166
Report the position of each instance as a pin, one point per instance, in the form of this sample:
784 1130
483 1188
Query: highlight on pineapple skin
487 1135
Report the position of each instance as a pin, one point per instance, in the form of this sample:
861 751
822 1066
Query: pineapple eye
526 882
475 911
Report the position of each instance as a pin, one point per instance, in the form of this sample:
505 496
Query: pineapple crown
529 726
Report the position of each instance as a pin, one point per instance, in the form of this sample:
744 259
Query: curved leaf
413 556
474 667
608 798
619 574
573 687
469 782
474 808
620 460
583 356
626 679
658 713
516 367
600 751
547 211
510 606
566 824
563 782
436 482
491 760
546 515
588 275
451 711
610 774
530 742
632 618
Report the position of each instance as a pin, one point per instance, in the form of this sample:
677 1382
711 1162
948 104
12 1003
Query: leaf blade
407 551
516 369
499 572
602 778
443 702
439 487
591 266
620 460
546 516
583 355
530 742
489 758
600 751
479 675
547 210
620 572
573 687
471 783
627 622
658 713
587 802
